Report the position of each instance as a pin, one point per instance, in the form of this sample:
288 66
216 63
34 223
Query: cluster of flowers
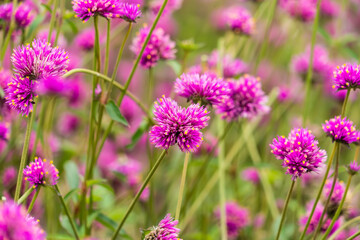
23 14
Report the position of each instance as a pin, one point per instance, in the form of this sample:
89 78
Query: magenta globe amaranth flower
165 230
23 16
177 125
85 9
20 94
204 88
245 99
337 193
159 47
251 174
236 218
240 20
86 39
39 60
299 151
232 68
347 77
41 172
341 130
130 12
353 168
16 224
303 10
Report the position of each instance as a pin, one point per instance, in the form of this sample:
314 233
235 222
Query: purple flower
21 94
353 168
347 77
246 99
240 20
159 47
231 67
177 125
86 9
22 15
329 8
86 39
15 223
236 218
299 151
53 85
251 174
316 218
41 172
165 230
9 176
201 88
303 10
171 6
338 191
341 130
68 124
39 60
130 12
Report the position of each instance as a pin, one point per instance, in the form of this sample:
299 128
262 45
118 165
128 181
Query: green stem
107 48
330 194
133 202
285 209
354 236
33 200
338 211
343 110
67 212
58 28
344 226
116 84
52 20
335 149
23 158
9 33
311 61
182 186
222 192
26 195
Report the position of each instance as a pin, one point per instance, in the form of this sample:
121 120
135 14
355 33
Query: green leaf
72 174
111 225
176 66
72 25
115 113
120 176
138 134
100 182
70 193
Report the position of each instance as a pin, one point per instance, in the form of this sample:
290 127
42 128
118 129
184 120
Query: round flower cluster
236 218
341 130
337 193
240 20
353 168
177 125
159 47
299 151
205 88
246 99
23 16
301 9
165 230
15 223
41 172
232 68
347 76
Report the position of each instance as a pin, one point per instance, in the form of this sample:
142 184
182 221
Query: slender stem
52 20
26 195
182 186
133 202
338 211
67 212
335 149
354 236
310 68
9 33
344 226
285 209
33 200
58 27
107 48
330 194
343 110
23 158
116 84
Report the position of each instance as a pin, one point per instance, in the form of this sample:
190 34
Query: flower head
341 130
165 230
21 94
246 99
353 168
303 10
23 15
39 60
347 76
86 9
201 88
251 174
337 193
53 85
232 68
15 223
86 39
299 151
130 12
177 125
159 47
240 20
236 218
41 172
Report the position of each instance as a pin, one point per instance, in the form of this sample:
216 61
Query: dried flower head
341 130
41 172
177 125
299 151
